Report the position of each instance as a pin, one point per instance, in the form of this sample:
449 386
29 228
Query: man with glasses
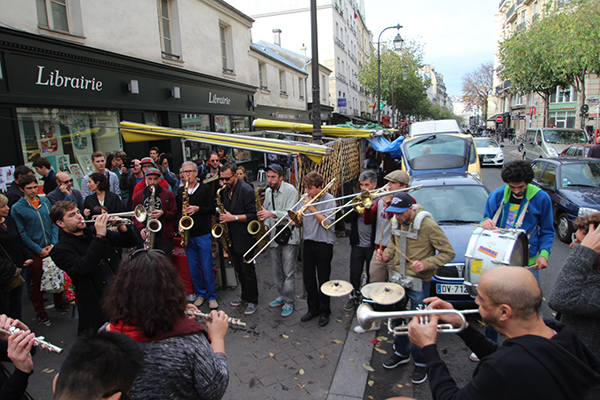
520 205
146 164
88 255
65 191
240 208
129 180
198 251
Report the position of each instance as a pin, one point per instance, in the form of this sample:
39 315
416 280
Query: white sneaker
473 357
359 329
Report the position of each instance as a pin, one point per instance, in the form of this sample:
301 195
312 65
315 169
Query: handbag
53 279
10 274
283 237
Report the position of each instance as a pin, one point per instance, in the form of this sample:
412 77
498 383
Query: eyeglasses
226 179
136 253
67 181
189 172
574 238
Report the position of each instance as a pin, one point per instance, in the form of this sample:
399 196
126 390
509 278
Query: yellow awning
133 132
328 130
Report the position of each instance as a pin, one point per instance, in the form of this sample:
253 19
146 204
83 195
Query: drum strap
519 220
412 233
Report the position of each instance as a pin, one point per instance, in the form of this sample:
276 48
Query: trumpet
139 214
232 321
358 204
37 341
366 317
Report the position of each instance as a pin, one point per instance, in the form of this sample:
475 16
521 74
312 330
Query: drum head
520 251
366 290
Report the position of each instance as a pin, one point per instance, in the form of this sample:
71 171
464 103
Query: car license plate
442 288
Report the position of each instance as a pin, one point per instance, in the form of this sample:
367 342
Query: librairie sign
54 78
213 98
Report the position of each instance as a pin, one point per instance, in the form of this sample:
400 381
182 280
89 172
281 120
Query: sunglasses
225 179
67 181
136 253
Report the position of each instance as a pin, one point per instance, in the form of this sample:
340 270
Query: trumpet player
162 207
88 255
240 208
541 359
201 206
280 197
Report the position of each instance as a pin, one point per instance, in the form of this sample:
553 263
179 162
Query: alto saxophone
186 222
257 227
152 225
221 230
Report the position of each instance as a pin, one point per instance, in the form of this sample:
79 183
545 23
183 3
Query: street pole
397 42
316 93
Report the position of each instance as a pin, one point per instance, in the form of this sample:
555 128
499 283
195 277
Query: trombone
366 317
358 204
139 214
294 216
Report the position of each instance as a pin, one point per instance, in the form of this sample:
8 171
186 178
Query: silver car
550 142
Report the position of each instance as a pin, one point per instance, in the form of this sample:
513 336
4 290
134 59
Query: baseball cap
398 176
153 171
275 168
400 203
147 160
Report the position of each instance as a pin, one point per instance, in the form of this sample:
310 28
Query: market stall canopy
329 130
134 132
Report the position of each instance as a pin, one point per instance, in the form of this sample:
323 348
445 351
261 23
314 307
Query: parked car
573 184
436 126
550 142
450 153
456 201
489 151
576 150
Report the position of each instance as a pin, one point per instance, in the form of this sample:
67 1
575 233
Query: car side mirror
547 186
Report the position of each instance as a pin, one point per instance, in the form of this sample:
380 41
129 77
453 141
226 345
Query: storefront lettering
58 80
214 99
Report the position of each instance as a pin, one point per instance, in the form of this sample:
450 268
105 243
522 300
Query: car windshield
453 204
437 152
580 175
564 137
484 142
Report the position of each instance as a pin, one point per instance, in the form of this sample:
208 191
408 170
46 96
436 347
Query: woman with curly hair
146 301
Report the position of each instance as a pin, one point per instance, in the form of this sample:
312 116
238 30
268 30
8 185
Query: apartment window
53 14
165 27
301 88
226 47
262 75
282 89
563 95
168 25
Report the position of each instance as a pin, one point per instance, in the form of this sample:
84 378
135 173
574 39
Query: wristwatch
236 218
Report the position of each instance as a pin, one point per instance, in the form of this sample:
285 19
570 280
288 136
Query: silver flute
232 321
37 341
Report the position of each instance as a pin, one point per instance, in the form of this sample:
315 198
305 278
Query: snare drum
365 292
488 249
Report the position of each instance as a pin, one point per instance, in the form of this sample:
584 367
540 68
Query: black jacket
49 181
13 244
111 201
353 219
203 198
89 261
14 194
12 387
242 202
127 183
526 367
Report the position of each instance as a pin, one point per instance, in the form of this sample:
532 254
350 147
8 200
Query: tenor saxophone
257 227
152 225
221 230
186 222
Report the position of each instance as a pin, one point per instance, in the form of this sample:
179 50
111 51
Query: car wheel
564 229
520 148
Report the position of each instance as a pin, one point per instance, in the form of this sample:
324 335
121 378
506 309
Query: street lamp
404 77
397 44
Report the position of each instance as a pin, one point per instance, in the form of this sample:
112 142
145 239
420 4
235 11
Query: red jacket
141 185
164 201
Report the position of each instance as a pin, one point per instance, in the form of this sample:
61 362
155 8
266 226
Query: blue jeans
402 345
199 255
283 262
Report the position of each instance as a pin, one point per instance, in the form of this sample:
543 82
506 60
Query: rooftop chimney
277 39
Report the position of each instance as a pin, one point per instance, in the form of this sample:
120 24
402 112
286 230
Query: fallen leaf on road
271 355
368 367
370 397
399 386
48 371
337 341
295 378
301 372
371 383
380 350
301 387
374 341
351 359
285 336
246 336
338 320
310 382
322 356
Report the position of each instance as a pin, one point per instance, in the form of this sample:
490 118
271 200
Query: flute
37 341
232 321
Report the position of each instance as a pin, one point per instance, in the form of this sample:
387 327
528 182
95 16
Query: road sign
402 122
499 118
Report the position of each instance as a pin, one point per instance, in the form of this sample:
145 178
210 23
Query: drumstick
398 250
532 266
496 228
381 242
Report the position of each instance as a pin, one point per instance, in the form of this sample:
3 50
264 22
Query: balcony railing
353 57
354 86
339 43
341 77
510 13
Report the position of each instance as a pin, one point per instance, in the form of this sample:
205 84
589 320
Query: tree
477 86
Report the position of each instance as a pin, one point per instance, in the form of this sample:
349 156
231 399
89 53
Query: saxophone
221 230
257 227
186 222
152 225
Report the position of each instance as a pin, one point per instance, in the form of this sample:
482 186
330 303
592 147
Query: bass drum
488 249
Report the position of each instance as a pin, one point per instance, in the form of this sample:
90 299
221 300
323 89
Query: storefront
64 101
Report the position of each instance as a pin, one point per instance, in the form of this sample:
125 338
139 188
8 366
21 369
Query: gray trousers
283 261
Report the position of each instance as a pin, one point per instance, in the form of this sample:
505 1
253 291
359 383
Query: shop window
226 47
63 16
262 75
282 85
196 150
67 138
168 24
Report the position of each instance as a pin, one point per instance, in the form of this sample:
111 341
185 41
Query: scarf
183 326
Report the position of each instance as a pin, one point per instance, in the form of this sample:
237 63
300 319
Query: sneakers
199 301
473 357
350 304
277 302
419 375
396 360
43 318
190 298
359 329
213 305
237 302
286 310
251 308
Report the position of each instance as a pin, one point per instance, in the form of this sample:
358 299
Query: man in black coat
240 208
87 254
14 192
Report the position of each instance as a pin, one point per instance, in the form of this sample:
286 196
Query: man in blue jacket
39 234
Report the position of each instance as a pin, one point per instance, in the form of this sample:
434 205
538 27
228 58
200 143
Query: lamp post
404 77
316 92
397 44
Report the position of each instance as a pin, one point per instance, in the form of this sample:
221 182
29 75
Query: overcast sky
458 35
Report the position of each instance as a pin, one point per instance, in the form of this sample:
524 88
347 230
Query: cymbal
366 289
336 288
387 293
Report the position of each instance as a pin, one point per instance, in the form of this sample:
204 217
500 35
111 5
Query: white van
436 126
550 142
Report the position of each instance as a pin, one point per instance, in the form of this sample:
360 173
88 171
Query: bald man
539 359
64 191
